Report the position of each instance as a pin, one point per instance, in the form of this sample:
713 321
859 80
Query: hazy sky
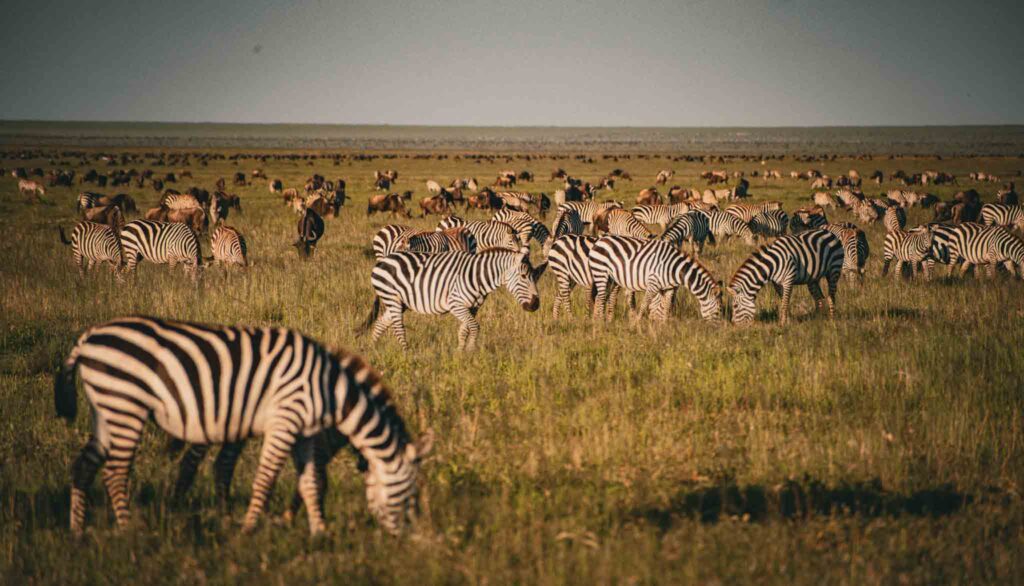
516 62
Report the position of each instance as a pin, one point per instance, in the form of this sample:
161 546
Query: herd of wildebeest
308 401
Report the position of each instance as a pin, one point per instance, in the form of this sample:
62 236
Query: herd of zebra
220 385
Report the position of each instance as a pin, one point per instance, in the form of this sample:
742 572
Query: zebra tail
370 319
65 393
63 238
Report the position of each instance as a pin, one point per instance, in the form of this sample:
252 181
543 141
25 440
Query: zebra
747 211
489 234
87 199
179 201
569 260
228 246
525 225
568 221
391 238
454 282
161 243
907 246
1007 216
92 243
459 238
660 214
207 384
723 224
621 223
976 244
693 226
653 266
516 200
769 224
586 210
807 219
895 218
797 259
855 248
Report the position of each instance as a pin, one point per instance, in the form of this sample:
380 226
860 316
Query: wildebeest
109 214
194 218
525 176
436 204
311 229
391 202
663 176
28 187
649 196
275 186
433 186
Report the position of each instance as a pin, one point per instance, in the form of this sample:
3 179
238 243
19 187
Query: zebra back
160 243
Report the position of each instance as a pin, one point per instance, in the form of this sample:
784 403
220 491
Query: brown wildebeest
275 186
525 176
121 200
194 218
109 214
311 229
649 196
663 176
436 204
240 179
505 181
559 173
391 202
27 187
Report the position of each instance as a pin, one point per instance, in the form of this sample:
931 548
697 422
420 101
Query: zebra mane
494 250
377 393
756 255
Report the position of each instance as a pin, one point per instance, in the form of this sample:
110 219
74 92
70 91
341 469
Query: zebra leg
309 483
612 299
83 472
277 444
398 329
187 469
561 296
224 471
117 469
787 290
600 292
325 445
468 328
819 298
966 266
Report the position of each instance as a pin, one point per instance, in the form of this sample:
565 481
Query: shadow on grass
795 500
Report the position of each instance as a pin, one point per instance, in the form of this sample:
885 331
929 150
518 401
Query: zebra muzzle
533 305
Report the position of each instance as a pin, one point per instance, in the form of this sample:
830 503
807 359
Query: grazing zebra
87 199
568 221
525 225
693 227
855 248
392 238
454 282
569 260
895 218
92 243
214 384
586 210
161 243
907 246
488 234
807 219
660 214
769 224
1008 216
976 244
459 239
747 211
621 223
798 259
228 246
653 266
723 224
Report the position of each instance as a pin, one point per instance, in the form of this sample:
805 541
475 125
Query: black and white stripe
93 243
390 238
454 282
488 234
660 214
907 246
569 260
895 218
653 266
586 210
769 224
748 211
526 226
450 240
228 246
855 248
724 225
693 227
161 243
797 259
976 244
213 384
621 223
1005 215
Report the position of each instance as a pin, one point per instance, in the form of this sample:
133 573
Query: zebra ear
539 270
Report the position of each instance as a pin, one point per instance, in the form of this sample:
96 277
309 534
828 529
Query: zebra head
521 282
392 494
743 303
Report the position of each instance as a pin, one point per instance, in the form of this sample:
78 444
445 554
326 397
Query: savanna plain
884 446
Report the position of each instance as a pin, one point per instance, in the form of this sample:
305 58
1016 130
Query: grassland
885 446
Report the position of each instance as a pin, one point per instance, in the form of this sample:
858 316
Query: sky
516 63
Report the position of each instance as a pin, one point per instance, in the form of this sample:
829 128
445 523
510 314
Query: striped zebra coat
568 221
621 223
1007 216
391 238
585 209
180 201
526 226
454 282
807 219
450 240
569 261
895 218
903 246
213 384
652 266
855 249
975 244
488 234
769 224
228 246
93 243
798 259
693 227
161 243
748 211
723 225
659 214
